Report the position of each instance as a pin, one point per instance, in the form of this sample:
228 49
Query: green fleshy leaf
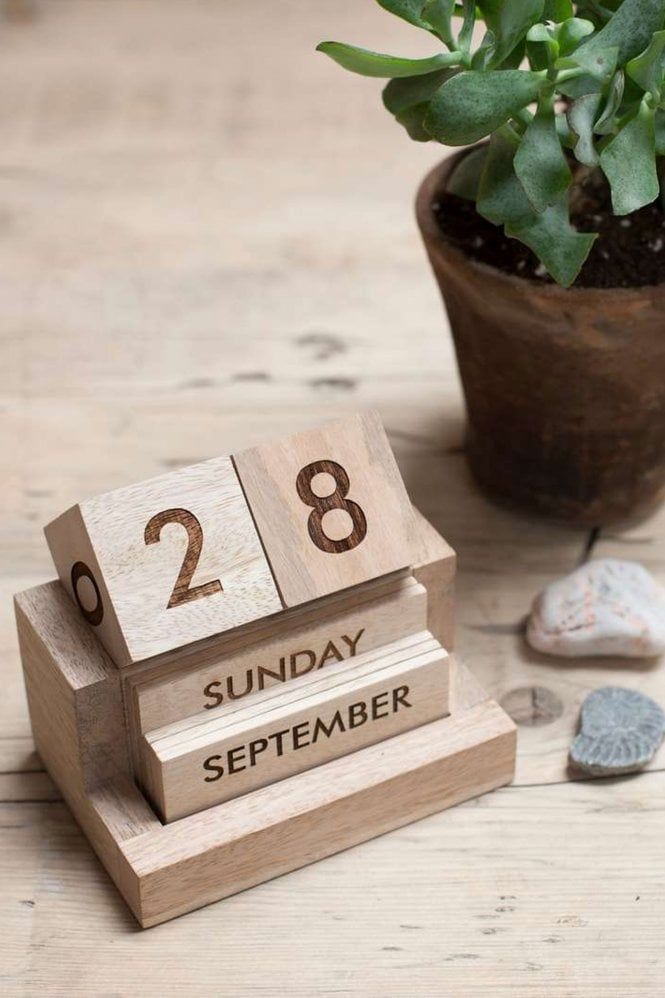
501 198
660 133
408 99
629 163
472 104
605 123
465 180
558 10
439 14
509 23
468 24
648 69
599 64
541 33
571 33
411 118
367 63
408 10
408 91
540 163
629 29
579 86
581 116
514 60
481 57
559 247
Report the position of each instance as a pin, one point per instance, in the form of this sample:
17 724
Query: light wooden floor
207 236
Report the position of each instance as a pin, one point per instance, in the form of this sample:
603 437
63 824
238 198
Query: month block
322 636
330 506
208 759
169 561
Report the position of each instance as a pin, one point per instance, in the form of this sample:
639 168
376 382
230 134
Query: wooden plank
330 506
211 758
73 690
439 907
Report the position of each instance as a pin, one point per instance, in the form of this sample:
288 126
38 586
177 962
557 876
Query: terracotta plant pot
565 389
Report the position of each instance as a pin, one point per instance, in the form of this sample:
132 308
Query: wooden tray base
165 870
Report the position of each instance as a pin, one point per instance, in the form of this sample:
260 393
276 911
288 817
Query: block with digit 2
166 562
330 506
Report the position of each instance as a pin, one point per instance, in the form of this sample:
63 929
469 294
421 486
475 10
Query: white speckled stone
606 607
620 732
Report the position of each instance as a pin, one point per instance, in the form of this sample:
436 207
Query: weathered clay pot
565 389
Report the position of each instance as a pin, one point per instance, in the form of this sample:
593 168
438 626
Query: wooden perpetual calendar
246 666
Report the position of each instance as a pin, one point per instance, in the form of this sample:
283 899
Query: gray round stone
620 731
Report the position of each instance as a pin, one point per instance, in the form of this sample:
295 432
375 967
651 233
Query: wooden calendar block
74 690
161 564
435 566
319 636
330 506
207 759
166 870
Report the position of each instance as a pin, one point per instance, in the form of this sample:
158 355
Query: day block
319 636
330 506
172 560
208 759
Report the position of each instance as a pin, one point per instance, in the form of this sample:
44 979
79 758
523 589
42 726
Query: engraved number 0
181 591
81 571
323 504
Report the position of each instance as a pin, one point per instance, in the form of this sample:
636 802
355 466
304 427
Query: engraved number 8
323 504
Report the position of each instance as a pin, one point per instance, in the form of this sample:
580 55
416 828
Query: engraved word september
306 733
290 667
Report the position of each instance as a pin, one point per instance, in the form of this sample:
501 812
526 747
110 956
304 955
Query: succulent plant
553 89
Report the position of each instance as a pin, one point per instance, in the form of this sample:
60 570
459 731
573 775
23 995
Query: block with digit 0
330 506
169 561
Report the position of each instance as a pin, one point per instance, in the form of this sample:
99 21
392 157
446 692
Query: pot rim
433 182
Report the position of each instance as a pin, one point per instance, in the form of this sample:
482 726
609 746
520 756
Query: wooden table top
207 237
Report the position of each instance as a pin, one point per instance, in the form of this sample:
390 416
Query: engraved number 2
181 591
323 504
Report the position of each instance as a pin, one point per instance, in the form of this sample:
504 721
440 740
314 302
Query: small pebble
656 245
620 732
625 223
541 270
605 607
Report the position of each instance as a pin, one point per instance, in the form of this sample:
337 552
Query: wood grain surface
330 507
331 632
209 758
207 238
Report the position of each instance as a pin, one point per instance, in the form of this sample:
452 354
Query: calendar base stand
166 870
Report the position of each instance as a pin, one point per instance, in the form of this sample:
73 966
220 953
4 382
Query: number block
169 561
330 506
205 760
